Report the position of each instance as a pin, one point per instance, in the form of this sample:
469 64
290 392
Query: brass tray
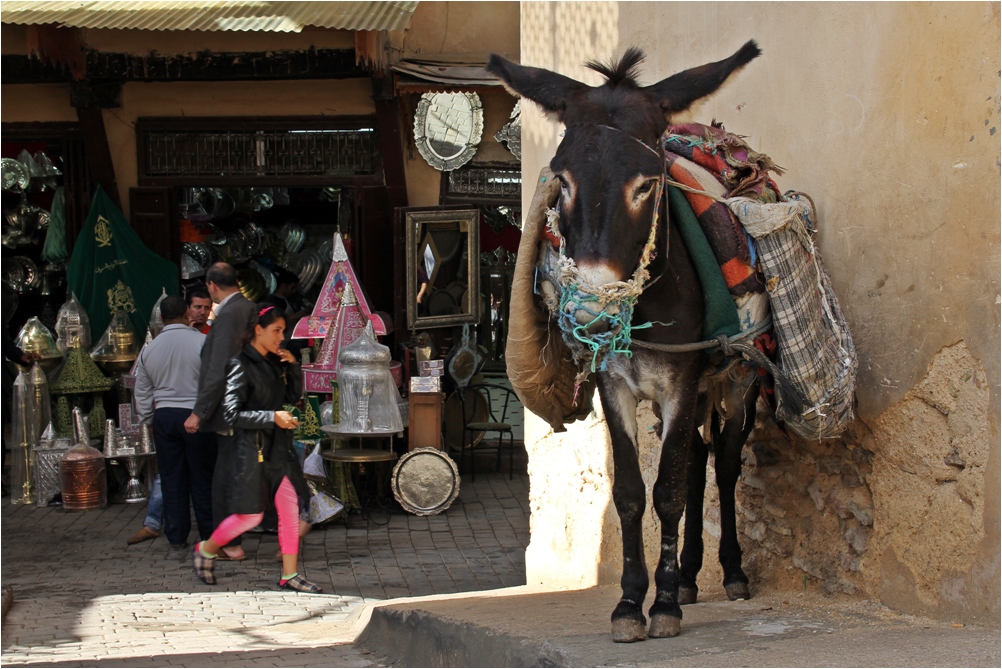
425 482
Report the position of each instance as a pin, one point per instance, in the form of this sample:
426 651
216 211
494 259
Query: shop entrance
265 195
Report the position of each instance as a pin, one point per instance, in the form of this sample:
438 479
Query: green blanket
721 316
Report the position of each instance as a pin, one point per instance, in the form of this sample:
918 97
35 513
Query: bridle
592 350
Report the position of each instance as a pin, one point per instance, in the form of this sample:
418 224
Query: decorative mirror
447 128
443 267
510 133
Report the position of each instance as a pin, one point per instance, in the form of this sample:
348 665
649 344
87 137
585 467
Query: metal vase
81 427
110 439
146 439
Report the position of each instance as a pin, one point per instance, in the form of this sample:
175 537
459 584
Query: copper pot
82 479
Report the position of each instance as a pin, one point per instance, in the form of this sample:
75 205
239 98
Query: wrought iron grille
486 182
282 153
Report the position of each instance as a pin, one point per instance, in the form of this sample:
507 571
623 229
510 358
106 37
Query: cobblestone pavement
84 598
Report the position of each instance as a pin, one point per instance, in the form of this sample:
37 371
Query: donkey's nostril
591 323
598 327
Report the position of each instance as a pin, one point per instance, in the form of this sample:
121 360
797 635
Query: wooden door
151 219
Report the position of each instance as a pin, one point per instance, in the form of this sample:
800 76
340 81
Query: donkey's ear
549 90
679 91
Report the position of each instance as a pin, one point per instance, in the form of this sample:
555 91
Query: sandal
205 568
300 584
222 555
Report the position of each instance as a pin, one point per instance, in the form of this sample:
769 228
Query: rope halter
611 303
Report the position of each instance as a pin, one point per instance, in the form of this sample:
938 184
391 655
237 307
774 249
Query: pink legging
287 505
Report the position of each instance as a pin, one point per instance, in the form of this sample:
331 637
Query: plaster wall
888 115
461 28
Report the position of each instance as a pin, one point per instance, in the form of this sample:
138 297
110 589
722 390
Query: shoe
144 534
223 556
300 584
205 568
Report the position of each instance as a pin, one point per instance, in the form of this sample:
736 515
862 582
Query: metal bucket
83 479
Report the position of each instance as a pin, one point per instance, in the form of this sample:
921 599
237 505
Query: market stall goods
369 401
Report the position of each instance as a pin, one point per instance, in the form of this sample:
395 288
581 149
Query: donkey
612 217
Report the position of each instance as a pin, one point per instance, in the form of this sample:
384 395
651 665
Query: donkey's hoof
737 591
687 595
663 627
628 630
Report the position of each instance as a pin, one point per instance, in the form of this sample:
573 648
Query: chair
495 423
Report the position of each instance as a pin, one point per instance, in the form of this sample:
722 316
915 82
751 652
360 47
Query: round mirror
447 128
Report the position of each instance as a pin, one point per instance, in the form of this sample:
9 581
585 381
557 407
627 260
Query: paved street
83 598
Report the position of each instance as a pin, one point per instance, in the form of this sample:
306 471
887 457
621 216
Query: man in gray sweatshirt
166 390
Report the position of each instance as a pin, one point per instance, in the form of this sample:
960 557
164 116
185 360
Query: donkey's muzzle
591 319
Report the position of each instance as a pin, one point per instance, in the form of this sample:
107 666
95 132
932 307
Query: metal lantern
73 324
48 455
26 435
118 347
368 398
38 339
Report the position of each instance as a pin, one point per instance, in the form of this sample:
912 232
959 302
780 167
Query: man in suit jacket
235 316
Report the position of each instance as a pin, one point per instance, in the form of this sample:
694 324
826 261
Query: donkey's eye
645 188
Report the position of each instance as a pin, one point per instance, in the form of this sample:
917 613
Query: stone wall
893 510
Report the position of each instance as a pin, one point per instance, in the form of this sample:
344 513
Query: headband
264 311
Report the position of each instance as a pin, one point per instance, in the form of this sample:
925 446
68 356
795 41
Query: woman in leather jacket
260 380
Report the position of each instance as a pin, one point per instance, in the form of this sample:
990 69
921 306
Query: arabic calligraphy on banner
112 265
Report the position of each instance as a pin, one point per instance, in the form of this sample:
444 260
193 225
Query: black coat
232 322
257 387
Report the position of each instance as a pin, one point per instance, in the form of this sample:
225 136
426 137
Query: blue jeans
186 462
155 508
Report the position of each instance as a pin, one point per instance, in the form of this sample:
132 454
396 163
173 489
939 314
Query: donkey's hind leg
629 496
692 546
669 503
727 444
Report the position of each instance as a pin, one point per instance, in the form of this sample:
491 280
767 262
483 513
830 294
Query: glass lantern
368 398
73 324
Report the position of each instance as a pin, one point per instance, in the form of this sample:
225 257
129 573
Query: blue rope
614 341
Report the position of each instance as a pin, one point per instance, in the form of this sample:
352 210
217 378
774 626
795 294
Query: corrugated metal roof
212 15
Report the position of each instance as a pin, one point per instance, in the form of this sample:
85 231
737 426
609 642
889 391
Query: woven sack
540 366
816 352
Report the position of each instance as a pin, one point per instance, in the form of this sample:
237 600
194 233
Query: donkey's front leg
629 496
678 417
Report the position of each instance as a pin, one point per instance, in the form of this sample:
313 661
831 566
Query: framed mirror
448 128
443 267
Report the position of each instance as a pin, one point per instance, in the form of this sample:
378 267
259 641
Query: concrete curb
417 638
530 627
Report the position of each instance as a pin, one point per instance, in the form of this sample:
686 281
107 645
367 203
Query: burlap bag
540 367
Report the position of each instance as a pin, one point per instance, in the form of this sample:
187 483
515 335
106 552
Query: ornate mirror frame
467 126
415 224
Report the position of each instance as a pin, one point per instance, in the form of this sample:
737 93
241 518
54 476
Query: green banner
111 270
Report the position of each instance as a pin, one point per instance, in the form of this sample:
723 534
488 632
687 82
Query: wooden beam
205 66
102 169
